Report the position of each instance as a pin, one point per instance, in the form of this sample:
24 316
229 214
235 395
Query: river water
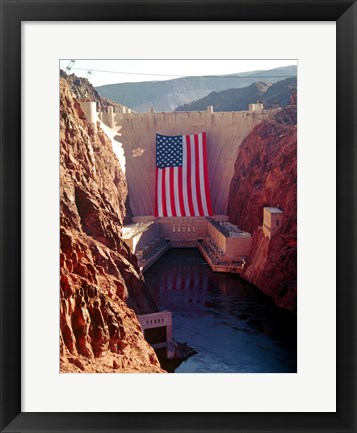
229 322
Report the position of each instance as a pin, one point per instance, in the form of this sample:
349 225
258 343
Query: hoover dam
226 248
225 132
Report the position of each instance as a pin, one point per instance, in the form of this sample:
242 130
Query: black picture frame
13 12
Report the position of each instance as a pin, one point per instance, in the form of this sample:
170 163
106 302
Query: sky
125 71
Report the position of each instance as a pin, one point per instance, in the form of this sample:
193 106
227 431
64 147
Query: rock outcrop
101 286
266 175
84 90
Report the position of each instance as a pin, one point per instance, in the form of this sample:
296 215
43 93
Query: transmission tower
70 66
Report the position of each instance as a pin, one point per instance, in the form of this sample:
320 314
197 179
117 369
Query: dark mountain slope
279 93
228 100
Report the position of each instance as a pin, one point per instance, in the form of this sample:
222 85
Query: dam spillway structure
224 246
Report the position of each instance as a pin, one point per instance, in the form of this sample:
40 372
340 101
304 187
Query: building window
277 223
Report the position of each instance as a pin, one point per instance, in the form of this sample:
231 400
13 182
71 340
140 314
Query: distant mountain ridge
169 94
228 100
277 94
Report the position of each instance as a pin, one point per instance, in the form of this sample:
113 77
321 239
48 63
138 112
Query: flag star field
168 151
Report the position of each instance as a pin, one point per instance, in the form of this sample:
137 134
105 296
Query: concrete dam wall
225 132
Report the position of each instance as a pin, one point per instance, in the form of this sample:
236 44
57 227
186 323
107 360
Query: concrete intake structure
155 322
90 110
272 220
225 132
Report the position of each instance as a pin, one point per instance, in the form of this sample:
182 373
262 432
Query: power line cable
129 73
184 76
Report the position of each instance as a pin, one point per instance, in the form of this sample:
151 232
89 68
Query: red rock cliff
101 283
266 175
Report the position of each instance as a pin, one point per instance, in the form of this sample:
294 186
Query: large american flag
182 187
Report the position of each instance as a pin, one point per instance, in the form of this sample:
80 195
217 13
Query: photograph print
178 216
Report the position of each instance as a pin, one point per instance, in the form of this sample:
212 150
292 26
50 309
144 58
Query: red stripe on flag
182 207
208 196
198 183
172 192
188 180
156 213
163 193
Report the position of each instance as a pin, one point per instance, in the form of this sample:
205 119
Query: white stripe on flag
202 176
167 191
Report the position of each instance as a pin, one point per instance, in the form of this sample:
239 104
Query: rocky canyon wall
100 282
265 174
